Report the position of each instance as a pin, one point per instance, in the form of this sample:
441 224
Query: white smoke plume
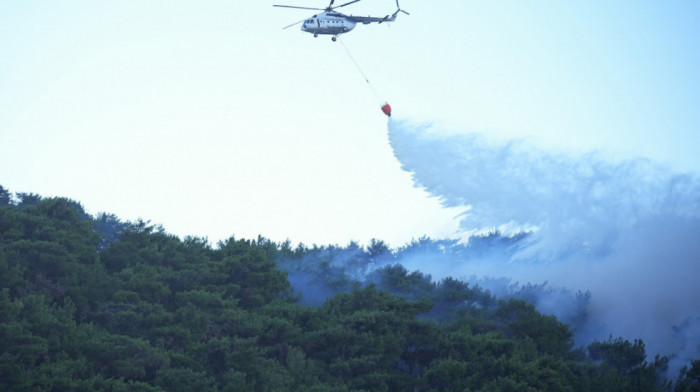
627 231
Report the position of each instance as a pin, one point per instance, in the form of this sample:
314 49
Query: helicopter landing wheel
315 35
334 39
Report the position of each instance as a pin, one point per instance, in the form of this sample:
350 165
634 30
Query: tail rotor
398 9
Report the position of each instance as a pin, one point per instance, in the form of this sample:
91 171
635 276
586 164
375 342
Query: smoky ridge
606 244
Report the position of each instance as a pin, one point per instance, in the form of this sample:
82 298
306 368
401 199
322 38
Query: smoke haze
625 232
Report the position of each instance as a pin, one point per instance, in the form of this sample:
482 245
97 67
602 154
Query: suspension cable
376 94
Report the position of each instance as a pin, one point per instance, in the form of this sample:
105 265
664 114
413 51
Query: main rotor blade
343 5
301 8
293 24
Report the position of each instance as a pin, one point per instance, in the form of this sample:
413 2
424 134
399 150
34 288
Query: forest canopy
97 304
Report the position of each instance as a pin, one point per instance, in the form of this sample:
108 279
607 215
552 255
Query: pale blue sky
209 118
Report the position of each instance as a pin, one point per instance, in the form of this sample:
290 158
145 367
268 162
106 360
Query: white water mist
628 230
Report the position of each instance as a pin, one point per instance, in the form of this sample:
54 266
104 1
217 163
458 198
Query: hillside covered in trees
96 304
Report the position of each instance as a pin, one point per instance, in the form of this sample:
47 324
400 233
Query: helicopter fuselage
330 23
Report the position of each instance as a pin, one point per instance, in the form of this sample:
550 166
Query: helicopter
331 22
